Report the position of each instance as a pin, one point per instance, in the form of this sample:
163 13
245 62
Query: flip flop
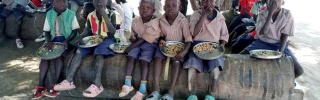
167 97
192 97
155 95
210 97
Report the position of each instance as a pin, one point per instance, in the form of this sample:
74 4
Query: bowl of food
265 54
208 50
171 48
55 52
119 47
90 41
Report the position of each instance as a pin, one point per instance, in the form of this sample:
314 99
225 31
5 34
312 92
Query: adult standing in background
127 18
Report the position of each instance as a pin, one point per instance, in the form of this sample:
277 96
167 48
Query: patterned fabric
98 27
257 7
23 3
149 31
211 31
284 24
178 31
246 5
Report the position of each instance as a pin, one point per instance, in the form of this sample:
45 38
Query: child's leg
58 63
157 72
44 66
130 67
99 65
214 75
75 63
144 76
175 74
298 71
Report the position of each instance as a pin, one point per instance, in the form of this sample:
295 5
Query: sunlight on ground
31 65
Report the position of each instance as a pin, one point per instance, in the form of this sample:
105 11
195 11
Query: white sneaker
40 38
19 43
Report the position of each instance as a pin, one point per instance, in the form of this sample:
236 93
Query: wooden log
243 77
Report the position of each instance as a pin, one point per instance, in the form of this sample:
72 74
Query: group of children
148 34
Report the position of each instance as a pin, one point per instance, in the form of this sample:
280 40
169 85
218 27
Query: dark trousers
184 7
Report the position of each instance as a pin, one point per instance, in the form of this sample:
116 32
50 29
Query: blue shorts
200 64
5 12
144 52
101 49
259 44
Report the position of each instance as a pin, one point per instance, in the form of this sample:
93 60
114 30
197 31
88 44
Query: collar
178 18
94 13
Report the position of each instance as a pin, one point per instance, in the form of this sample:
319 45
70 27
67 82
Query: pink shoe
138 96
92 91
64 85
125 90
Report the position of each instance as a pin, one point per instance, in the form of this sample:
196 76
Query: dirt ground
19 67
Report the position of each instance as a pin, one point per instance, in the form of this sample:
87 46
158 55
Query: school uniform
60 26
284 24
178 31
150 32
211 31
97 27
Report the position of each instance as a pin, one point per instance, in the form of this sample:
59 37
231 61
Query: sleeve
186 33
46 26
193 21
289 26
133 33
224 34
75 24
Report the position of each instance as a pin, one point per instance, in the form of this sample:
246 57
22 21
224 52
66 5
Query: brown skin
207 8
146 10
100 6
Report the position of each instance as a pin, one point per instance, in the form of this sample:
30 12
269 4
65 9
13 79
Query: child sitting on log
206 25
108 24
174 27
274 26
19 9
60 26
145 32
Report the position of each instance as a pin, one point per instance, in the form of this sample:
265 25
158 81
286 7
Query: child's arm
84 33
21 8
187 38
110 26
199 24
271 10
224 34
48 43
286 32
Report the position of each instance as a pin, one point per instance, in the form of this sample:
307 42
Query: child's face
84 13
278 3
146 9
171 7
99 3
60 5
206 4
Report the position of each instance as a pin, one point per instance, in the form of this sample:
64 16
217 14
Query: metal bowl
119 47
163 49
273 54
44 54
209 54
85 43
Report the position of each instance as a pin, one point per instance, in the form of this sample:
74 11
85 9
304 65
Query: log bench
243 78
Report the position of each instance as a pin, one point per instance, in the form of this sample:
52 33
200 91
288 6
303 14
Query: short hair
151 1
88 6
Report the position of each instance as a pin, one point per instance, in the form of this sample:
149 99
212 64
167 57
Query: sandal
64 85
210 97
36 94
167 97
52 93
155 95
192 97
138 96
92 91
125 90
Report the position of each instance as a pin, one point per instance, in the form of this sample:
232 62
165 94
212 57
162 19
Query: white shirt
128 13
46 27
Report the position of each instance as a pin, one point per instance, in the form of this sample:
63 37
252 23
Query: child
145 32
19 8
273 27
128 15
60 26
87 8
109 24
175 27
207 25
